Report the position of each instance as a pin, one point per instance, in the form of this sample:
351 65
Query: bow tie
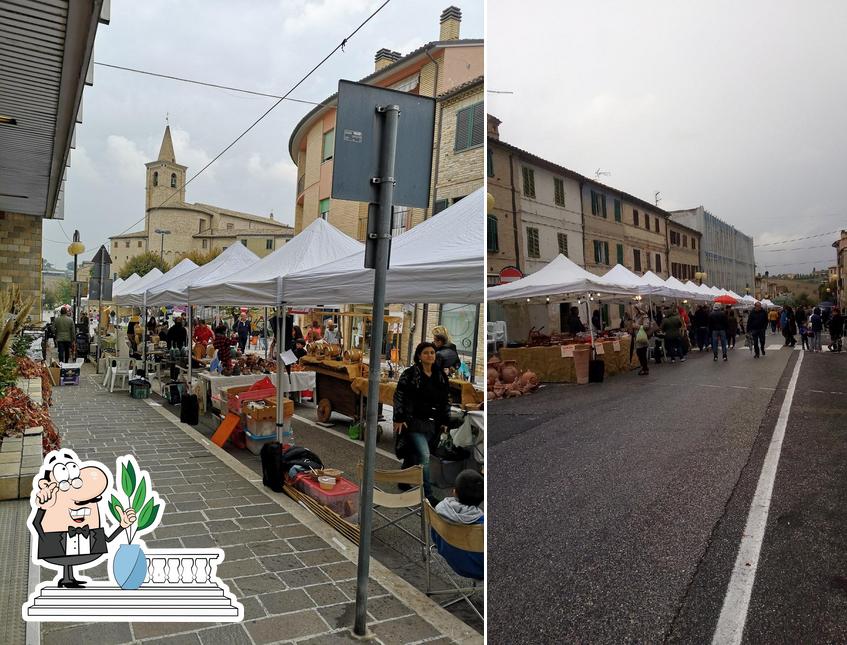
78 530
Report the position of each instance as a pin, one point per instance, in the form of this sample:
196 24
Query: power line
782 264
63 229
340 45
204 83
795 239
797 248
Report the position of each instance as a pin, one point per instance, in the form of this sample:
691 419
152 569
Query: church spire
166 152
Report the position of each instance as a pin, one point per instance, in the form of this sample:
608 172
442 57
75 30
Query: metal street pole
100 314
382 236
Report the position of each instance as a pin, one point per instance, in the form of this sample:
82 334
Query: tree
804 299
143 264
51 300
200 257
64 294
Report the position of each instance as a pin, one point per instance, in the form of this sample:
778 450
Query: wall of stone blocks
20 255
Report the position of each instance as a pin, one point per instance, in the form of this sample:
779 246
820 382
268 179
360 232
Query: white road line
771 348
733 616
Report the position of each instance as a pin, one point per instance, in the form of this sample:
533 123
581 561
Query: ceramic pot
509 372
493 374
129 566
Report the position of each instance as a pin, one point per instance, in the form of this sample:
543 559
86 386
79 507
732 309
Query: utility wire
195 82
797 248
795 239
340 45
782 264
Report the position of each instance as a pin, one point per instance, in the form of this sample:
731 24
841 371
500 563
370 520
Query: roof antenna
601 173
657 196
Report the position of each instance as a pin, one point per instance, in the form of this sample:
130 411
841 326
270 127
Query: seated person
463 508
222 344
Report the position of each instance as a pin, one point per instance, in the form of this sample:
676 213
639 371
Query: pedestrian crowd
672 332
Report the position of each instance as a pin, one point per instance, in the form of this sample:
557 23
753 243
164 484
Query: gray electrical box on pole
382 156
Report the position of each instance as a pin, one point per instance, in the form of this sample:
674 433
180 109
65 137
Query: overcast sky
738 106
260 45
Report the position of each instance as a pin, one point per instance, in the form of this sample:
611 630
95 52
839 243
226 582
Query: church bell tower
165 177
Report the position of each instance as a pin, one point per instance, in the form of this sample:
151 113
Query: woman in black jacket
421 410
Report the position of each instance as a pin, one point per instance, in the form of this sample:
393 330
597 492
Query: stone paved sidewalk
294 579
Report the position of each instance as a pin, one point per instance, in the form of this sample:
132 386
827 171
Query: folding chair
412 500
462 537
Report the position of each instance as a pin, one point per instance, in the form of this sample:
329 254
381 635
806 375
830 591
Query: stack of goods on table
250 421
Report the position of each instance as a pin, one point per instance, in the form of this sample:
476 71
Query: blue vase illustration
129 566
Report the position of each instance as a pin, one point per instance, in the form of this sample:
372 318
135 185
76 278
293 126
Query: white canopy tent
126 284
440 260
178 288
676 285
662 288
262 282
560 278
619 274
137 286
136 295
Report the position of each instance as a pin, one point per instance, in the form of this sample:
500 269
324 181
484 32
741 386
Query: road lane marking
730 628
771 348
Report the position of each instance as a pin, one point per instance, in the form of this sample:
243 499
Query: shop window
491 234
533 249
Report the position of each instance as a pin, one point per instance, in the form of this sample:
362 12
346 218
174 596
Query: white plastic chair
123 369
496 333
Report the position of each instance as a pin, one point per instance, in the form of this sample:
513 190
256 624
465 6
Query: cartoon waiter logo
69 533
67 522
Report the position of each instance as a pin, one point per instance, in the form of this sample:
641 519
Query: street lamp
700 276
162 232
75 248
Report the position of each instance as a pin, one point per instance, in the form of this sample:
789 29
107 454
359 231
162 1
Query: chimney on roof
494 127
271 215
384 57
451 19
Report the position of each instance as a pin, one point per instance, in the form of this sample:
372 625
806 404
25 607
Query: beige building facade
192 227
683 251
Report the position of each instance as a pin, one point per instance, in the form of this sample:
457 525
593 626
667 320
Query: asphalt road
617 509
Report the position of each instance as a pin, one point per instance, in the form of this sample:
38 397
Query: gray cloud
259 45
736 106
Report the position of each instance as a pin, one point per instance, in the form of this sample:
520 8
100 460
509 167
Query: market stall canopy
663 289
126 285
137 294
675 284
749 299
440 260
176 289
619 274
261 283
561 277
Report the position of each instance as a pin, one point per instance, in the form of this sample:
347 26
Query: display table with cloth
551 367
461 392
211 384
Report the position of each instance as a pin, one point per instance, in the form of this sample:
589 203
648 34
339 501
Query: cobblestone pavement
295 585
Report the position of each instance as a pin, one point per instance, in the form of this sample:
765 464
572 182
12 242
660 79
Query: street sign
101 259
510 274
358 132
94 288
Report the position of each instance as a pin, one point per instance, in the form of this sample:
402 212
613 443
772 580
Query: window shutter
658 262
617 210
605 252
493 241
620 253
490 162
477 124
603 200
563 244
463 124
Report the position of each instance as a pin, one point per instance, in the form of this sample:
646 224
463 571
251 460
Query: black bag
174 372
299 456
596 371
173 392
401 446
272 473
189 411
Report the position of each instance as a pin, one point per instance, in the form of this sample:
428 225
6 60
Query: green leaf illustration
114 505
128 478
144 515
140 495
154 513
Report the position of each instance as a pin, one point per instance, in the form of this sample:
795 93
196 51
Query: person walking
242 328
718 325
836 330
642 343
816 322
773 317
65 331
757 323
672 329
421 410
789 326
731 327
49 334
701 327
